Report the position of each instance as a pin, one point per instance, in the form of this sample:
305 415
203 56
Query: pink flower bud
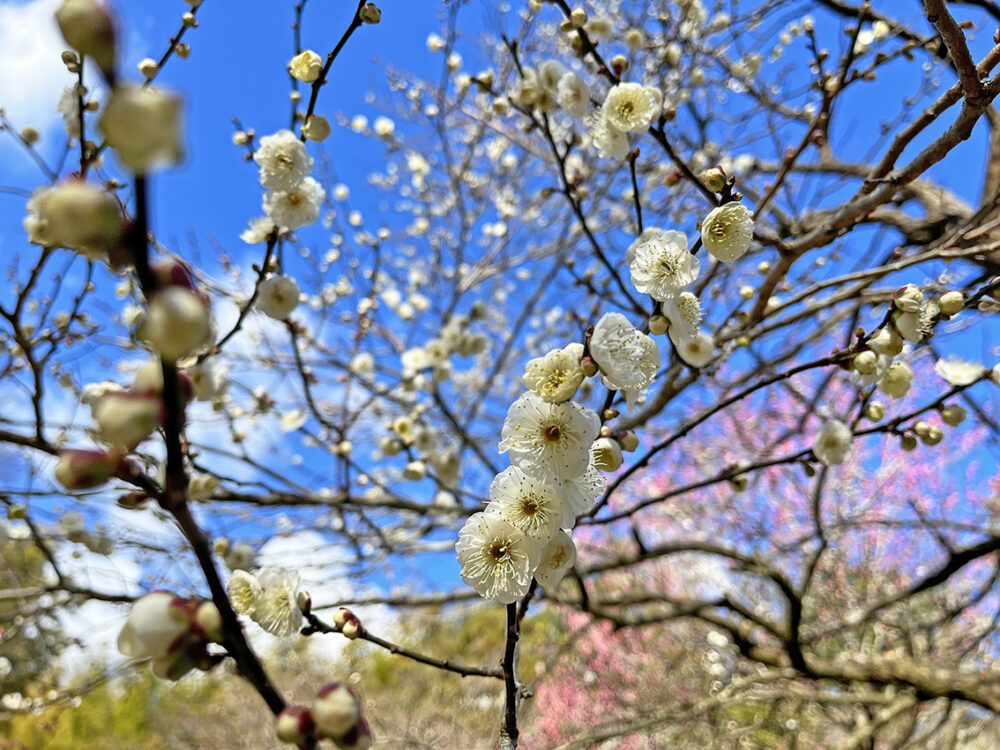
336 710
295 725
342 616
81 470
351 629
154 627
88 27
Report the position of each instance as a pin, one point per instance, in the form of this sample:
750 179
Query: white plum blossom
632 107
607 454
297 207
628 358
697 351
278 296
550 73
897 381
208 378
833 442
579 493
556 376
497 558
609 142
283 161
662 266
727 231
179 323
244 592
684 314
69 108
306 66
277 609
532 506
573 95
549 441
143 126
558 557
959 372
258 231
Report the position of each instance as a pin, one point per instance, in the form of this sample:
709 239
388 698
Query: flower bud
897 380
79 216
342 616
875 411
336 710
619 64
370 13
714 179
88 27
607 454
953 415
154 625
658 325
84 469
578 17
887 342
908 299
358 738
179 323
415 471
628 441
295 725
951 303
306 66
672 179
933 435
589 366
316 128
124 419
188 19
908 442
142 125
148 67
183 50
352 628
30 135
209 619
921 428
866 362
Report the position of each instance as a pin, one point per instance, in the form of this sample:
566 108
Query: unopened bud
628 441
908 442
209 619
30 135
866 362
951 303
317 128
125 419
84 469
335 710
658 325
875 411
714 179
148 67
88 27
953 415
183 50
577 17
295 725
672 178
179 323
189 20
589 366
933 435
619 63
370 13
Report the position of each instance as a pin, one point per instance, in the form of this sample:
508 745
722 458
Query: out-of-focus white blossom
558 557
833 442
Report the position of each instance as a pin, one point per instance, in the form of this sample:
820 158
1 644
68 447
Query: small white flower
609 142
278 296
283 161
297 207
306 66
887 342
727 231
497 558
550 73
908 299
208 379
684 314
244 592
549 441
556 376
873 368
69 108
833 442
579 493
573 95
662 266
913 326
258 231
897 381
697 352
277 609
632 107
959 372
530 505
628 358
558 557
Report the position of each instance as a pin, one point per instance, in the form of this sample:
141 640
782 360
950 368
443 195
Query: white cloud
31 69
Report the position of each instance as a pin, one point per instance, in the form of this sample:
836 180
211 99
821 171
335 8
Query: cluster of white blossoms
628 108
271 598
293 198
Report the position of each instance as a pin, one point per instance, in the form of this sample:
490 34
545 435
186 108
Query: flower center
552 433
499 550
530 506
